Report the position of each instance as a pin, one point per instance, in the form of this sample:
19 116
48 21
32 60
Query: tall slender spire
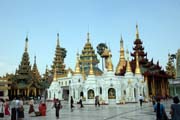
35 71
34 59
57 39
88 37
128 66
77 68
121 43
91 71
122 60
26 44
137 70
137 32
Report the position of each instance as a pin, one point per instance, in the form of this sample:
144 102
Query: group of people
17 109
160 109
42 109
174 110
4 108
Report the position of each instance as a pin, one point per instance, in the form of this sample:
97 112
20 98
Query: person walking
175 109
141 98
80 102
20 110
97 101
13 109
160 111
57 106
72 102
31 108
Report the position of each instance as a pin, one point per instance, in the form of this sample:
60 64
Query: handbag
21 109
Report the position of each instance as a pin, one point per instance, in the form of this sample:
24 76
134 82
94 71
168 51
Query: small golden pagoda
122 60
77 68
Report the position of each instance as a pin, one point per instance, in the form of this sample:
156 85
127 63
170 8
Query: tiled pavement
131 111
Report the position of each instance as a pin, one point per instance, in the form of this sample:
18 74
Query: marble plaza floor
131 111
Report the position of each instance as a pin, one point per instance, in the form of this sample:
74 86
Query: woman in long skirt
57 106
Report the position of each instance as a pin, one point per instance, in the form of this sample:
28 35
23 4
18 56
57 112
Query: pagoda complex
156 78
88 81
26 82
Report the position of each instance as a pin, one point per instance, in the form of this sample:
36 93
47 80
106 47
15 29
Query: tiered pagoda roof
25 77
146 66
89 57
35 71
58 62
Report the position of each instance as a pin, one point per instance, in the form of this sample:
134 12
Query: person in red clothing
42 108
6 107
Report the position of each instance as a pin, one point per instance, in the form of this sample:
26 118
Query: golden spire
122 60
128 66
137 32
91 71
55 74
26 44
88 37
137 70
57 39
110 65
77 68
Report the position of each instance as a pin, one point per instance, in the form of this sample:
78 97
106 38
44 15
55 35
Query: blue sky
106 20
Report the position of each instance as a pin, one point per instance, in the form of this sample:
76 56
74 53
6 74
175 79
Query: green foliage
100 48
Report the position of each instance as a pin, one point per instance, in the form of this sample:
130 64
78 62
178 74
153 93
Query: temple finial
88 37
58 39
35 59
26 43
137 32
121 43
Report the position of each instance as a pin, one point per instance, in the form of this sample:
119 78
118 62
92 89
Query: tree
170 68
100 50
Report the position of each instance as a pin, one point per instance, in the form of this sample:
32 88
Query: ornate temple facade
154 76
26 82
131 77
88 81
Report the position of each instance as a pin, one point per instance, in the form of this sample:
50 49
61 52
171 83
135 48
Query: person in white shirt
141 99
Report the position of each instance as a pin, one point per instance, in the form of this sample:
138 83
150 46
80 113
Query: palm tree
100 50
